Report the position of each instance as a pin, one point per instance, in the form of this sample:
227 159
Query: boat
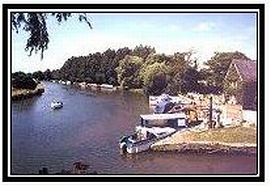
143 138
106 86
68 82
147 134
163 103
56 104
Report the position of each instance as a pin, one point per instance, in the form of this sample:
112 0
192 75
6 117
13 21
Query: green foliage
22 81
94 68
179 63
56 75
178 74
143 68
154 78
189 80
47 75
218 66
143 51
35 23
128 72
138 68
38 76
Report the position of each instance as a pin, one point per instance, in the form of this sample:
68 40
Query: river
88 128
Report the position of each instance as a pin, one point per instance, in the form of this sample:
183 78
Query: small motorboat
143 138
146 134
56 104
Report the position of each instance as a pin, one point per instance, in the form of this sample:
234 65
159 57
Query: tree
128 72
38 75
56 74
178 65
47 75
189 81
154 78
35 23
93 68
143 51
21 80
218 66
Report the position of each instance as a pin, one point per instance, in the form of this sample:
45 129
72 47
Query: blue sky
203 33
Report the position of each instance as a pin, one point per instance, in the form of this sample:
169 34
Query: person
218 118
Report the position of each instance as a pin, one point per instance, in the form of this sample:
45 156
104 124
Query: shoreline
20 94
205 148
99 87
201 142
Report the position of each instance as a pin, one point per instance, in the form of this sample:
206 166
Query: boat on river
56 104
146 134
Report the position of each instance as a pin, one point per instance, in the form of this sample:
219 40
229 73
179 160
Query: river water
88 128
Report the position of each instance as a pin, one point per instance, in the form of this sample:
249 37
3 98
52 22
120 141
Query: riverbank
99 87
18 94
232 140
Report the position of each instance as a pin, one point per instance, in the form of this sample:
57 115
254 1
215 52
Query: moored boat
56 104
143 138
145 135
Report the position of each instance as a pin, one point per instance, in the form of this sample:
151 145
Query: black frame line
136 177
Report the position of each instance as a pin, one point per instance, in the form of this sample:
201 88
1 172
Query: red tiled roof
246 68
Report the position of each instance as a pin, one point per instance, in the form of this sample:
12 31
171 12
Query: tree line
21 80
143 68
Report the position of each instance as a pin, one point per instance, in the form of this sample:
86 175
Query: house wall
244 92
250 116
231 113
233 85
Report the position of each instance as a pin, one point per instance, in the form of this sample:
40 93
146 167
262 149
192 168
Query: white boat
106 86
68 82
143 138
163 103
165 98
145 135
56 104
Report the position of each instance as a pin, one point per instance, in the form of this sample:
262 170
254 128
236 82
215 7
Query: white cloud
204 26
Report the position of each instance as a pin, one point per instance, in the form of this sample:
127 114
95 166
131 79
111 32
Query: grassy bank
238 139
18 94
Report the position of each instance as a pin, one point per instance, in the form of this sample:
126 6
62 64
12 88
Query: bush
22 81
128 72
154 78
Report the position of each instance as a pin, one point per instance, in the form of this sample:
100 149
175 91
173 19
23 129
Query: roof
246 69
162 116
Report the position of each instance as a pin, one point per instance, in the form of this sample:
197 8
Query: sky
203 33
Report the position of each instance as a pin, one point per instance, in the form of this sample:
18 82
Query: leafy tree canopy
154 78
128 71
218 66
35 23
21 80
38 75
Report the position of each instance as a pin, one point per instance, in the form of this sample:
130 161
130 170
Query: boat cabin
173 120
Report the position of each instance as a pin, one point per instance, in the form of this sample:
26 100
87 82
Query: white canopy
155 130
163 116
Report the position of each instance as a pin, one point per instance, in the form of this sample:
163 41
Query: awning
163 116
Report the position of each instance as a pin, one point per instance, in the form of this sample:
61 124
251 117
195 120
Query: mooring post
211 111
